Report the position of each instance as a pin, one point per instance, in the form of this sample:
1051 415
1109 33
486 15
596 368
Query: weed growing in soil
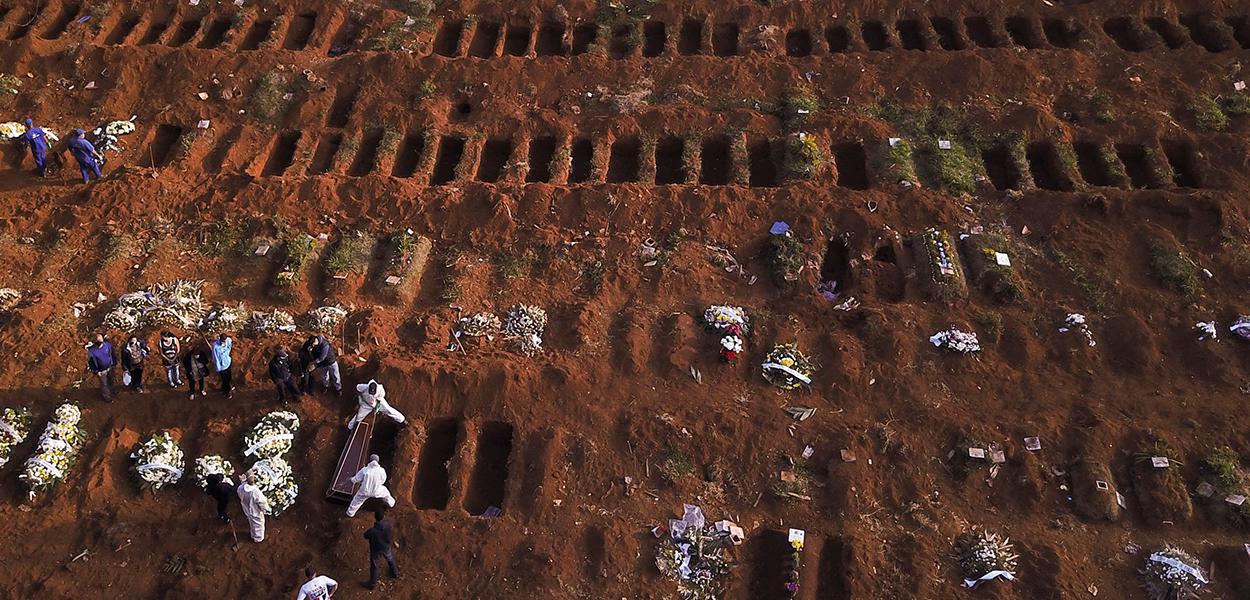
266 102
802 157
1209 114
219 239
800 485
797 105
954 169
451 286
393 38
990 323
592 276
676 465
1115 168
350 255
425 90
1159 448
10 84
1225 466
1089 282
299 251
785 258
512 265
1237 105
1102 106
1173 269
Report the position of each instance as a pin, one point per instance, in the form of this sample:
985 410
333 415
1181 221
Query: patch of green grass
266 101
10 84
785 258
219 239
512 265
1172 268
350 255
1236 105
1102 106
990 323
797 105
676 465
1089 281
1160 448
1225 466
1208 114
801 485
425 90
954 170
897 159
802 157
1115 167
394 37
592 276
299 252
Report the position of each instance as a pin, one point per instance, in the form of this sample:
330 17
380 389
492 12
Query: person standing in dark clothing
222 492
100 362
196 363
170 348
319 357
133 355
380 542
283 378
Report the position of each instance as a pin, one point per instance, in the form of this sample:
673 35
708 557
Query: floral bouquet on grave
787 368
212 464
158 461
14 427
277 482
56 451
272 436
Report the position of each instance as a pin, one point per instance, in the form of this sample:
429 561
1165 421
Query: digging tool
234 533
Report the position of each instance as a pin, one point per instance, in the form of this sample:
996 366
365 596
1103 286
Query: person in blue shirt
221 348
85 154
37 139
100 362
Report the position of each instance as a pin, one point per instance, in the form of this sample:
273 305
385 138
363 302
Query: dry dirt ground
543 148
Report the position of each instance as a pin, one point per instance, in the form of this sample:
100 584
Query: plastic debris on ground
787 368
1205 330
985 556
525 324
1077 322
955 340
1172 574
694 555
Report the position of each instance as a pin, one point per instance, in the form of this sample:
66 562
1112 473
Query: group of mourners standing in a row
292 376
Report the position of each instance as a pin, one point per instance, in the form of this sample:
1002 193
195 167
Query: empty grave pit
160 151
186 31
450 151
323 156
125 26
542 151
341 109
488 484
68 11
155 31
582 160
215 33
981 32
485 39
876 36
367 156
447 40
1092 164
911 35
257 34
1136 165
433 487
1129 34
1046 167
1060 33
495 155
550 40
1207 32
1023 32
1001 168
411 149
300 31
1172 34
948 35
669 167
838 38
852 164
623 160
1184 162
622 43
690 39
715 161
517 40
798 42
654 38
725 39
282 153
584 37
763 164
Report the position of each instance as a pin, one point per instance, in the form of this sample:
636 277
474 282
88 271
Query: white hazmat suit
372 480
368 403
254 508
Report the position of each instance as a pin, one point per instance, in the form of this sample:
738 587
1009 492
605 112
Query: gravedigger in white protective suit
254 507
372 480
372 397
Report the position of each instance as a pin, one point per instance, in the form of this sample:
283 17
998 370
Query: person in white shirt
254 506
319 587
372 480
372 397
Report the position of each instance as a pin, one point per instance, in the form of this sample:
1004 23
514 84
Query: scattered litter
203 124
800 413
955 340
977 453
944 144
1205 330
1076 321
1032 444
1239 85
808 451
480 324
779 228
1002 259
202 95
846 455
849 304
1160 462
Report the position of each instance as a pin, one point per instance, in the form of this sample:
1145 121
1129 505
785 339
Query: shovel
234 533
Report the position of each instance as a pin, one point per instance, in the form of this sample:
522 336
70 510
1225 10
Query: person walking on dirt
85 154
318 587
196 363
170 349
254 506
372 480
37 139
222 362
100 362
324 362
221 492
371 398
283 378
380 541
133 355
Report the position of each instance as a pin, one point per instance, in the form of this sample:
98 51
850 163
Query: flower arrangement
733 323
480 324
983 556
272 436
1172 574
954 340
14 427
1241 327
175 303
9 299
694 556
325 319
225 318
210 465
277 482
262 323
786 367
793 563
12 130
1077 322
56 451
1205 330
119 127
525 324
158 461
